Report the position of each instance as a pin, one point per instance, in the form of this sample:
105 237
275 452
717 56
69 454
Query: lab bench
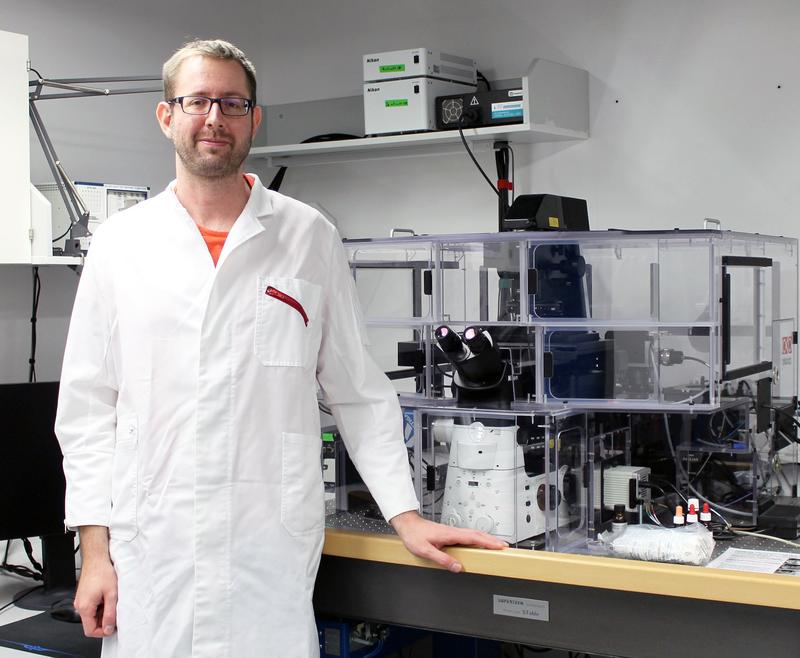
588 603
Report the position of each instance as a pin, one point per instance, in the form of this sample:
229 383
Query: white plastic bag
691 544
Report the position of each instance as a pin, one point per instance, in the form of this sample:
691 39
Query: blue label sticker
507 110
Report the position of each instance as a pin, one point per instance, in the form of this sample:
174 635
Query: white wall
55 304
694 109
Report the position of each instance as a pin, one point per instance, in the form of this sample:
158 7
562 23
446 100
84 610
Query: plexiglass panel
567 497
400 352
664 366
393 282
480 282
685 281
624 279
518 477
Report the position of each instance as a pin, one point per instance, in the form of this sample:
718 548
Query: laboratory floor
10 586
62 634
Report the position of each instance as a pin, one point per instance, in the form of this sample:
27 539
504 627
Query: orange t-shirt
215 240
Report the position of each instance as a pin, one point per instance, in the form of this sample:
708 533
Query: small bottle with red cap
705 516
691 515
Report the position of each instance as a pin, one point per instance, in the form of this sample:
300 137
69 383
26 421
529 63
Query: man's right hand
96 597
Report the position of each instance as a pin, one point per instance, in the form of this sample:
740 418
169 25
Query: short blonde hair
216 48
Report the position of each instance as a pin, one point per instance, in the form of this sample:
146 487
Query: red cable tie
505 184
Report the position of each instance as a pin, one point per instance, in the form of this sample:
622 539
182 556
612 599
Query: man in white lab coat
188 415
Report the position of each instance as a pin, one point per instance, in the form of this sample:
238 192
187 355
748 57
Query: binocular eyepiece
449 341
475 338
475 357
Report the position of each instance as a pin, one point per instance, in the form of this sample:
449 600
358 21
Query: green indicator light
397 102
392 68
327 436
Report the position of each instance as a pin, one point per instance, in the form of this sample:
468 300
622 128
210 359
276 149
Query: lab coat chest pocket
124 479
286 326
302 490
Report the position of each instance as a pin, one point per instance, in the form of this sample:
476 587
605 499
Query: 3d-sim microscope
487 486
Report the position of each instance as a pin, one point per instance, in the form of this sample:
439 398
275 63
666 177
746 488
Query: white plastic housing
408 105
419 62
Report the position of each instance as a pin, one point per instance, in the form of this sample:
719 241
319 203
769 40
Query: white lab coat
189 425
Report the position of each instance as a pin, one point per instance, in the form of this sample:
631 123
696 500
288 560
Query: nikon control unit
401 88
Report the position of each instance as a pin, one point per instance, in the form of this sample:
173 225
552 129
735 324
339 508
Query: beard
222 163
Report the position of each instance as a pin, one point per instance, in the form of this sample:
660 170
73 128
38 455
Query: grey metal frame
78 88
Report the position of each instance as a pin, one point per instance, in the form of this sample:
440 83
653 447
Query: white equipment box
620 483
101 200
419 62
401 86
15 241
407 105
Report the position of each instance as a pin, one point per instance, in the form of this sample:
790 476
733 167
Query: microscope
487 486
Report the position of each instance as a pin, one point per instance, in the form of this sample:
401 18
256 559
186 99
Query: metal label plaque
514 606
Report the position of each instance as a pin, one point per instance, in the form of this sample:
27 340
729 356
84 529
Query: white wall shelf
555 108
58 260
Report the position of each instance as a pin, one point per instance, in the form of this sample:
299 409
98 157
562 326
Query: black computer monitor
32 484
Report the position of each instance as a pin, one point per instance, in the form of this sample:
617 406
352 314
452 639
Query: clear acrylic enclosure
520 359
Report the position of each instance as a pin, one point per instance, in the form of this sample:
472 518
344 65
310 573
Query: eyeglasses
232 107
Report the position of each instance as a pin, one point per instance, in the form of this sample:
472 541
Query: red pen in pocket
287 299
